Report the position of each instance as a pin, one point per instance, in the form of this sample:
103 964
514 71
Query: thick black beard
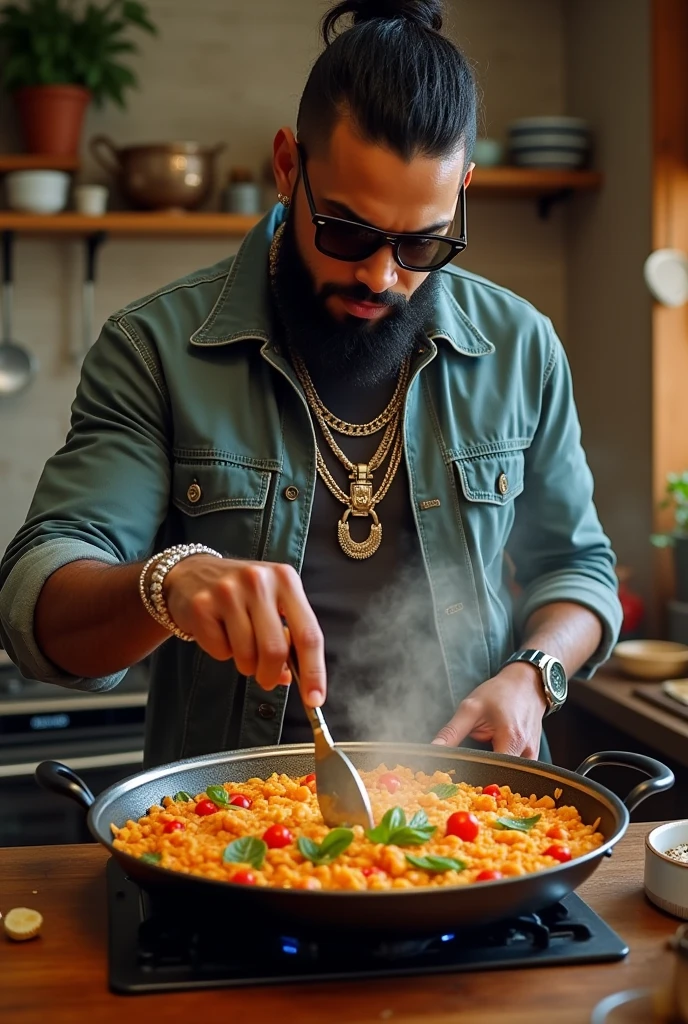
353 351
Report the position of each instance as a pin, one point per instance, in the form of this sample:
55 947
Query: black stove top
158 948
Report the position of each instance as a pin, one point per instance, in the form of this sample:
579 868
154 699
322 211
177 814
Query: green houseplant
676 497
57 55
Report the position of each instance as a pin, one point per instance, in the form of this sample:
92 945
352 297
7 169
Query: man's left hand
506 710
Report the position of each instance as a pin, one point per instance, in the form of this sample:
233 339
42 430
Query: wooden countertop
610 696
62 976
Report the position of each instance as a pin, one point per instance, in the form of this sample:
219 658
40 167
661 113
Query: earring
284 200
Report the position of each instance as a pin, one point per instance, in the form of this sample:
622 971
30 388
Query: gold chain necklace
342 426
360 500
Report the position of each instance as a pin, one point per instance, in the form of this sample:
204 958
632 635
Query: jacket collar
242 309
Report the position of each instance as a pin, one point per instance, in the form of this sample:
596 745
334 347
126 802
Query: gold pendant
361 490
359 549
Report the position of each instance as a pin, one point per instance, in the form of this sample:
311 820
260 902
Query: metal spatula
342 797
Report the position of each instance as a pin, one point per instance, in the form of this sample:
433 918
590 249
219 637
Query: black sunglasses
352 242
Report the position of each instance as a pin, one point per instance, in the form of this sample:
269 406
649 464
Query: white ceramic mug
91 199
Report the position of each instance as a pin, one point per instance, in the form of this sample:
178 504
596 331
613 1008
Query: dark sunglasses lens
346 241
424 253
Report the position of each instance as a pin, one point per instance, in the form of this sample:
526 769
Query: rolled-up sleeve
103 496
558 547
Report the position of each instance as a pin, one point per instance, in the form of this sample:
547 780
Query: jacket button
503 483
266 710
291 493
194 493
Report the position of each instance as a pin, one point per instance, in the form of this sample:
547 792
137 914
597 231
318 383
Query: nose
379 271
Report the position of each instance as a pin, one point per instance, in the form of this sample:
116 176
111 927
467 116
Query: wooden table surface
62 976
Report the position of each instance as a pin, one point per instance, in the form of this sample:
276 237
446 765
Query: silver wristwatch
553 675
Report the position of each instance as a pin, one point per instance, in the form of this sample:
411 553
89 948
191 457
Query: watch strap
540 660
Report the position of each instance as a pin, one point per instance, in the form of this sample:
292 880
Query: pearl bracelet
153 599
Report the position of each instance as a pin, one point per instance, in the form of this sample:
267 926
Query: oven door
100 735
31 816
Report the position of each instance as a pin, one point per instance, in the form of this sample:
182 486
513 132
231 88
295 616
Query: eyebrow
349 214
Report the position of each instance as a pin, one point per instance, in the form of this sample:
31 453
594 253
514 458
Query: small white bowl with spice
666 867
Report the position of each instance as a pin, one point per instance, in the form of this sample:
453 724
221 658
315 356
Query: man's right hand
235 609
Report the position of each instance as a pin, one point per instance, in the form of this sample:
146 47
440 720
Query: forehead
380 187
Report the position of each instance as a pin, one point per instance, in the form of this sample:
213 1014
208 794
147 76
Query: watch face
557 681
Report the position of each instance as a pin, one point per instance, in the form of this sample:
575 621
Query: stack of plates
556 142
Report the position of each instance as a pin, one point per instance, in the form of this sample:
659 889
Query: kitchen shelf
37 162
512 182
547 187
499 182
128 223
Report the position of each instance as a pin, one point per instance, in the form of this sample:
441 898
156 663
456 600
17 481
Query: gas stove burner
168 946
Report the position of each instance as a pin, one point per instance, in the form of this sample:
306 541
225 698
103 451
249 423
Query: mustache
361 293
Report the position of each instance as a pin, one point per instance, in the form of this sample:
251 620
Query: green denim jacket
187 387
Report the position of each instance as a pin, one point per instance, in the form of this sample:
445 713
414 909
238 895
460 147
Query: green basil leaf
444 790
393 819
308 848
379 834
247 850
436 864
218 794
419 820
334 843
182 797
408 836
151 858
518 824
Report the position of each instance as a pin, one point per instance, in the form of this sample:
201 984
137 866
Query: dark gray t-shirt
386 675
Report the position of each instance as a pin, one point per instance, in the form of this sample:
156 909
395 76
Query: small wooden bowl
652 659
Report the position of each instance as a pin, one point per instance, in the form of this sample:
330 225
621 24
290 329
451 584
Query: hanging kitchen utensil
93 243
666 270
17 365
666 275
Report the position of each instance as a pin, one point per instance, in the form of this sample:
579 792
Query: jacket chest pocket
488 485
222 504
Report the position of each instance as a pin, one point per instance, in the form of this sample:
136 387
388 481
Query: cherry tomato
204 807
243 877
372 870
239 800
557 832
560 853
309 778
174 826
492 790
489 876
390 782
464 825
277 836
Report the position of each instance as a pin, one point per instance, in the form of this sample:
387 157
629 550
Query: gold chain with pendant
360 500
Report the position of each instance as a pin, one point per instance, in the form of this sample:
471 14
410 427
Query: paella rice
431 831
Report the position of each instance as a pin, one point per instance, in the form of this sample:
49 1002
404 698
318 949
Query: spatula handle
321 733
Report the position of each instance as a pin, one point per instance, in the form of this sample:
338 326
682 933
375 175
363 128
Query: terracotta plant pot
52 117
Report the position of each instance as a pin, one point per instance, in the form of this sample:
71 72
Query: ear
468 176
285 163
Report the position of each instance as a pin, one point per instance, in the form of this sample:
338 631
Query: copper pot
163 176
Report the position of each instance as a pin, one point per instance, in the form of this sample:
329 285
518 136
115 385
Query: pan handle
660 777
58 778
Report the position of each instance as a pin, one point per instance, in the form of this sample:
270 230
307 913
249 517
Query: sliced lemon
22 924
